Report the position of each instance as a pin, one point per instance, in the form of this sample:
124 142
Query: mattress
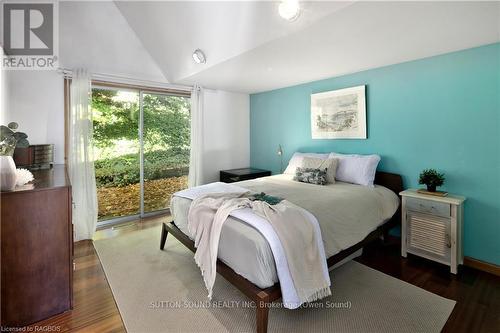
347 213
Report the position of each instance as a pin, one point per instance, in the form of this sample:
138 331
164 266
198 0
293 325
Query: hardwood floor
94 308
477 293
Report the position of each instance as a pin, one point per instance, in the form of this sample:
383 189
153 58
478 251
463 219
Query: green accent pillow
311 176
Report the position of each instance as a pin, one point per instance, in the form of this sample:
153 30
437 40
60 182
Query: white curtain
80 156
196 154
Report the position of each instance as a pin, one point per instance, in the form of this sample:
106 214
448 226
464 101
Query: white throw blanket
229 198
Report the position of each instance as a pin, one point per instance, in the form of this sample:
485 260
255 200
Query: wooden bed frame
264 297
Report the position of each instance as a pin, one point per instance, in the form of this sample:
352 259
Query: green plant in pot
432 179
9 140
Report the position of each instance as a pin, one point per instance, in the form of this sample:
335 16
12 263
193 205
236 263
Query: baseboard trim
482 266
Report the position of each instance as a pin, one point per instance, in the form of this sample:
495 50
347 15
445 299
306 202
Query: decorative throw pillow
356 169
297 159
329 164
310 175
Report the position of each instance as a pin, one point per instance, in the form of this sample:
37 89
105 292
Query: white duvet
290 296
346 214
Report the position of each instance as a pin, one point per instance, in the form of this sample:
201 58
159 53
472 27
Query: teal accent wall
441 112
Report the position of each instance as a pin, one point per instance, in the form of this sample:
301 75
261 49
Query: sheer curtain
196 154
80 156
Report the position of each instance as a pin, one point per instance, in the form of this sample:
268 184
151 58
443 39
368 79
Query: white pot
8 174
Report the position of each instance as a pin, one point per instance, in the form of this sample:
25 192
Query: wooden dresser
37 249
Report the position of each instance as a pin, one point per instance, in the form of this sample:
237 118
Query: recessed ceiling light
199 56
289 9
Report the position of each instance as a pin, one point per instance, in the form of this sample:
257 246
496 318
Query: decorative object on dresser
236 175
23 177
432 227
432 179
35 157
9 140
8 175
37 249
339 114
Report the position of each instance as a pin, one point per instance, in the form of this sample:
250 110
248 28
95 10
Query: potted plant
432 179
9 140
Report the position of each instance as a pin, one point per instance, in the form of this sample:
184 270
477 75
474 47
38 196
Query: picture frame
339 114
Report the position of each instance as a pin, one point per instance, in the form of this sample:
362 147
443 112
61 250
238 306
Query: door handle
448 241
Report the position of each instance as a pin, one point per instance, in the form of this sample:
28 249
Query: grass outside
125 200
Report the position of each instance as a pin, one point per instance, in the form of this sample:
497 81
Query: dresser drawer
429 207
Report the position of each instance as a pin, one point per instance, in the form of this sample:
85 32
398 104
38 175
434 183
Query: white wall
226 132
3 90
35 100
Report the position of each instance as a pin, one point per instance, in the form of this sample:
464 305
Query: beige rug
162 291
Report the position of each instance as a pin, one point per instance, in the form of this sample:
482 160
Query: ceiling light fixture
289 9
199 56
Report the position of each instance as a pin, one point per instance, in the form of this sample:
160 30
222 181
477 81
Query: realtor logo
29 35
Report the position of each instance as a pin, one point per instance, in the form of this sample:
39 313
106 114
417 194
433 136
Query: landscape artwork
339 114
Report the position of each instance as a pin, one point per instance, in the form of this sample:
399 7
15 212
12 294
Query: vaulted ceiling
250 48
96 36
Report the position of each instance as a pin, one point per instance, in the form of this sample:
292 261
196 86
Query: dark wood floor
477 293
94 308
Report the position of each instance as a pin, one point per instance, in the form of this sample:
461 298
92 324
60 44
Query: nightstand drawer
429 207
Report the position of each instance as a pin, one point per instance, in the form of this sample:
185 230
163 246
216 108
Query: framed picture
339 114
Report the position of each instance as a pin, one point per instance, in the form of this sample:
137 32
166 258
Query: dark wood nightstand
236 175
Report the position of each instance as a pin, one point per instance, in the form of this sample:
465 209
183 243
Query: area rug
163 291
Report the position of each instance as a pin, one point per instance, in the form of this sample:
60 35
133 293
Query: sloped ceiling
96 36
249 48
356 38
171 31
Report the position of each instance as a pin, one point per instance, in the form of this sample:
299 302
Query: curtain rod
127 80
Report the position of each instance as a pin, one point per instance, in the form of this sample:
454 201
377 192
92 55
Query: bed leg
164 234
262 316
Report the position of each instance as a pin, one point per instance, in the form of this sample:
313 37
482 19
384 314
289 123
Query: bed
360 214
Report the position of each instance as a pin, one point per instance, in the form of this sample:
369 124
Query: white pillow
356 169
297 158
330 164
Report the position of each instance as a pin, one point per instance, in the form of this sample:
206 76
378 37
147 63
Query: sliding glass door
166 130
141 149
116 152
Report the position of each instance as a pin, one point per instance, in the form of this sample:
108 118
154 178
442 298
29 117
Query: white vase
8 174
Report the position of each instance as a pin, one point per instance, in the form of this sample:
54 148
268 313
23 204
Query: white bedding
346 213
289 293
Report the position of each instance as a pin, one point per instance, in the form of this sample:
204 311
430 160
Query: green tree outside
116 143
